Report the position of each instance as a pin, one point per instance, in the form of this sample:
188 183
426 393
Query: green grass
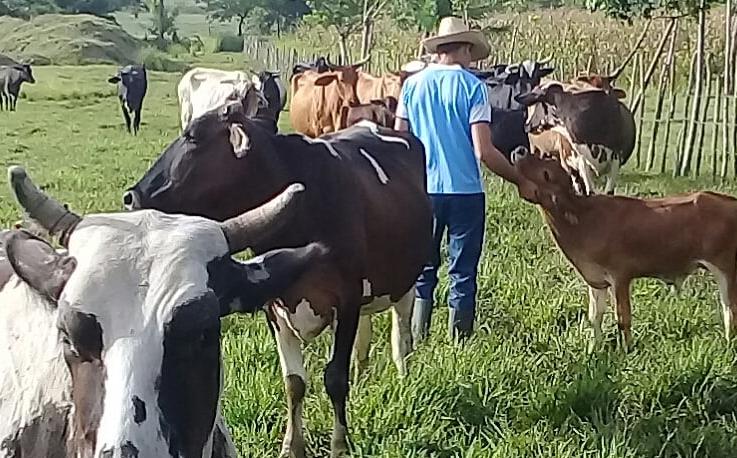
523 386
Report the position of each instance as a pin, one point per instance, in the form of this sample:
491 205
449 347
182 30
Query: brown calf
612 240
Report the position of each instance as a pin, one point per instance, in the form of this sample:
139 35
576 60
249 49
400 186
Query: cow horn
362 61
247 229
50 214
546 60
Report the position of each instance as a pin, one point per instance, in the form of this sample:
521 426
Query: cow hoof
293 453
338 448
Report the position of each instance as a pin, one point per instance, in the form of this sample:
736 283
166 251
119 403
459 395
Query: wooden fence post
715 127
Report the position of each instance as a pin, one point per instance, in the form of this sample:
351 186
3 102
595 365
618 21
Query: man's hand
401 125
489 154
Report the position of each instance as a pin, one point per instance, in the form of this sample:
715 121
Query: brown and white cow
110 347
612 240
319 97
597 127
365 200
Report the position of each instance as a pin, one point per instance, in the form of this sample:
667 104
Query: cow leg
584 171
727 281
624 312
11 101
597 307
402 331
127 117
136 121
336 375
611 177
363 344
295 385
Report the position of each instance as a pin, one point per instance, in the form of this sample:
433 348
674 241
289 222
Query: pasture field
524 385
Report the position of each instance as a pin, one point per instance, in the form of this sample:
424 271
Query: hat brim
480 48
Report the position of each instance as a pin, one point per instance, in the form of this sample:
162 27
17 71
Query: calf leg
727 281
363 344
624 314
336 375
402 331
597 307
295 385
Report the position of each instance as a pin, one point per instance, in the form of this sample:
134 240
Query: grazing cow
111 347
369 88
203 89
599 130
318 98
380 112
612 240
11 79
132 84
275 95
225 164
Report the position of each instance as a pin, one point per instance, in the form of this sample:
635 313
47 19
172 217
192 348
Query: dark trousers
463 216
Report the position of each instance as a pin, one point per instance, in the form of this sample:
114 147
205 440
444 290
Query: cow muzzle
131 200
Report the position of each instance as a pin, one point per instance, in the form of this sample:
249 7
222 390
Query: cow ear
38 264
268 276
530 98
546 71
324 80
619 93
113 79
239 140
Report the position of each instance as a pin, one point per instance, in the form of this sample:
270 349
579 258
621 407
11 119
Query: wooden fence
683 129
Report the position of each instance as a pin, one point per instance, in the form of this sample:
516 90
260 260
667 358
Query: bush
229 43
157 60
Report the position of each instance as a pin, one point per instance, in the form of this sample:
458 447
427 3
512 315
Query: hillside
67 40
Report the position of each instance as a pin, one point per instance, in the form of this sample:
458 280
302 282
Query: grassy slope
523 387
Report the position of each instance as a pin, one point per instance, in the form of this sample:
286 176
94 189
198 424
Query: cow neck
568 220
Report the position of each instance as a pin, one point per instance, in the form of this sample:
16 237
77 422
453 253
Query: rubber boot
460 324
421 314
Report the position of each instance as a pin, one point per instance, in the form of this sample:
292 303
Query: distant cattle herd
115 337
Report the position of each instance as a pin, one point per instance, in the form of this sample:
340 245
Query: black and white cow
12 78
132 84
111 346
276 97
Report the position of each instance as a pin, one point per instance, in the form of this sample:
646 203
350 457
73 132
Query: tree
162 20
226 10
627 9
347 17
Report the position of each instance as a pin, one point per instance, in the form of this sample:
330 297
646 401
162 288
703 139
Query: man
448 109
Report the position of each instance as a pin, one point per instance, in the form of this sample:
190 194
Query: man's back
440 103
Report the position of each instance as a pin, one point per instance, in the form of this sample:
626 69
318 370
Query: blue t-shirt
440 103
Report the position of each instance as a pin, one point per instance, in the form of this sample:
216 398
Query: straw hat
454 30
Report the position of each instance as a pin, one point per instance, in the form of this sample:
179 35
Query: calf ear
114 79
268 276
326 79
543 72
619 93
536 95
239 140
38 264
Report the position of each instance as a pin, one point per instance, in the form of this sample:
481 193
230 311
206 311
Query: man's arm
487 153
401 125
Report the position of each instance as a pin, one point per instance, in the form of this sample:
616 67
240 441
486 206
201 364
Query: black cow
11 79
275 95
132 85
320 65
223 163
505 82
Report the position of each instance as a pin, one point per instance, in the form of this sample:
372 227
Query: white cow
203 89
111 347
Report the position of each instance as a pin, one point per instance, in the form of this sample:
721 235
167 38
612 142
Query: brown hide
612 240
379 111
318 98
371 87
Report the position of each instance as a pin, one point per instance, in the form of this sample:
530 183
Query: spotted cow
225 164
111 345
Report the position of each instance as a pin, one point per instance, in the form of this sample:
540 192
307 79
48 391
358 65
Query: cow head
213 149
138 298
26 73
345 77
542 180
507 81
129 75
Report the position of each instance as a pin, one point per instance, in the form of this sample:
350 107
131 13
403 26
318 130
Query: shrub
157 60
229 43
